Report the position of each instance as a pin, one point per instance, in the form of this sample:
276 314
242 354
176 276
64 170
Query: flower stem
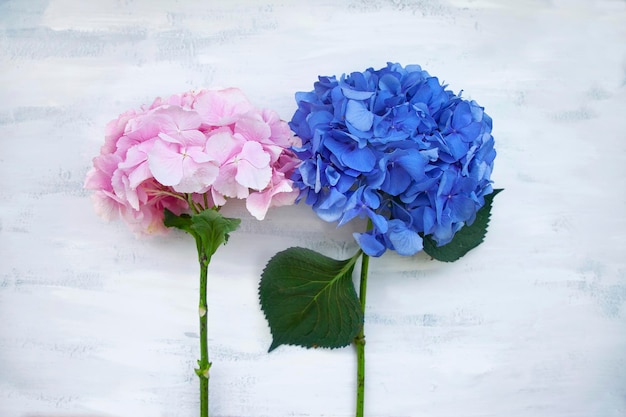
203 364
359 341
192 204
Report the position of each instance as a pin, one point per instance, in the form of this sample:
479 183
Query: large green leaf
209 228
465 239
309 299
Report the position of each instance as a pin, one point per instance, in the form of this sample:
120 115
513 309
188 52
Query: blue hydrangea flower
394 146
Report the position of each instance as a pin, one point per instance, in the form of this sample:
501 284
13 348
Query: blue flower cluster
395 146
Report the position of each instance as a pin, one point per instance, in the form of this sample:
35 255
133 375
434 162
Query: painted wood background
94 322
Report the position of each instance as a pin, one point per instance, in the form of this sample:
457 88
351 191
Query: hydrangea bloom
395 146
200 147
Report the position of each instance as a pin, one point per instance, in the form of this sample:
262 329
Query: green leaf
209 228
465 239
182 222
309 299
213 229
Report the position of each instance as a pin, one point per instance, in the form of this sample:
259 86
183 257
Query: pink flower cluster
197 148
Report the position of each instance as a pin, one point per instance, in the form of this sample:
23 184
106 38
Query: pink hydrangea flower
201 147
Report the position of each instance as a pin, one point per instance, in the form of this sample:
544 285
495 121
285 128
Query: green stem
203 364
359 341
192 205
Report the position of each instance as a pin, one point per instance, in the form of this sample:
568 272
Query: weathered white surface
95 322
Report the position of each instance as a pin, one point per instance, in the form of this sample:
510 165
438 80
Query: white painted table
94 322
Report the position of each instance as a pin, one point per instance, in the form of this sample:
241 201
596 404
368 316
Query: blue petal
371 198
430 218
431 154
396 181
356 95
414 163
299 125
345 182
457 147
471 132
379 221
462 116
404 240
358 115
370 245
338 147
308 170
318 175
362 160
333 199
320 120
329 207
306 97
332 175
461 208
390 83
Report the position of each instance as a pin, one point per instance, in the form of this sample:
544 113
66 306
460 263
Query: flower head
190 152
395 146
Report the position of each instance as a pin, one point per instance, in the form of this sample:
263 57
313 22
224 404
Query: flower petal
370 245
226 184
254 153
359 116
405 241
166 163
362 160
222 145
252 177
222 107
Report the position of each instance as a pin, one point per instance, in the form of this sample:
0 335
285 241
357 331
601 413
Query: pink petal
136 154
183 119
123 191
281 133
166 163
143 127
198 154
279 195
252 177
106 163
274 151
285 198
106 205
99 177
258 203
197 178
287 163
178 126
222 145
253 127
226 185
115 129
123 144
218 198
171 139
254 153
222 107
139 174
193 138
